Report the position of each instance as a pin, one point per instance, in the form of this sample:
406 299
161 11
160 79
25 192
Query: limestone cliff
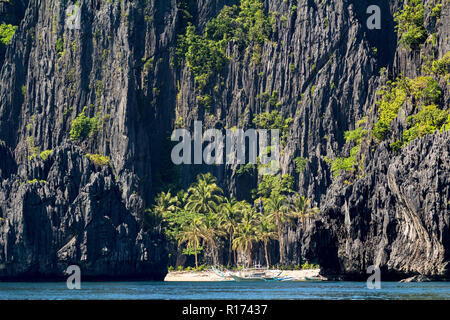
319 65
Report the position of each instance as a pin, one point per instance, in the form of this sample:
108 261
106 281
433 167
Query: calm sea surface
224 290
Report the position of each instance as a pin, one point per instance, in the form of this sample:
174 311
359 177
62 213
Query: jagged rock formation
11 12
396 216
44 87
407 234
67 211
317 55
320 61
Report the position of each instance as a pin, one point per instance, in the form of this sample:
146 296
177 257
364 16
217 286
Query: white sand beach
209 275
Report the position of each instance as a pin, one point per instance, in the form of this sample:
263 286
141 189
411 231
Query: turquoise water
224 290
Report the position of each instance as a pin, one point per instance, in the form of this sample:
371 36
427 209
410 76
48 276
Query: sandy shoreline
212 276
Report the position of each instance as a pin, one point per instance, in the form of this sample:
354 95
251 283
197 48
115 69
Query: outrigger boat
316 278
256 274
280 279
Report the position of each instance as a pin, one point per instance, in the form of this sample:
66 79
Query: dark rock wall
101 66
396 217
73 214
42 91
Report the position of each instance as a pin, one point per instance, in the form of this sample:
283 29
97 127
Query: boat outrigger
316 278
256 274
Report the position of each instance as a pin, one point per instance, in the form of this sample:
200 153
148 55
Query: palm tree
245 236
211 231
180 199
165 204
301 208
264 233
205 195
277 212
205 198
192 234
229 217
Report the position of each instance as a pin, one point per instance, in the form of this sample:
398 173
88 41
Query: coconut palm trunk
267 254
230 251
213 252
196 260
280 241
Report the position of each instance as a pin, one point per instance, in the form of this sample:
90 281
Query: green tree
229 217
274 120
205 57
205 196
192 234
170 210
410 24
211 232
345 163
83 127
264 233
165 204
180 199
6 33
277 212
274 184
424 88
301 208
393 96
246 235
223 26
427 120
300 164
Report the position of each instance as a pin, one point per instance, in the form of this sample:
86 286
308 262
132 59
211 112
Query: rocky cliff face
118 69
396 217
49 75
11 12
318 53
67 211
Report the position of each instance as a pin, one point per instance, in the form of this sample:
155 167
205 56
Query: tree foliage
410 24
300 164
98 159
393 96
203 217
355 137
348 164
442 66
425 94
429 119
274 120
83 127
204 57
245 24
7 31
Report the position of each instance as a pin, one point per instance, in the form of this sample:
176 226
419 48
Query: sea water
224 290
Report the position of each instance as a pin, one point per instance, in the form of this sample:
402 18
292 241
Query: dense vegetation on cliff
86 115
204 217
